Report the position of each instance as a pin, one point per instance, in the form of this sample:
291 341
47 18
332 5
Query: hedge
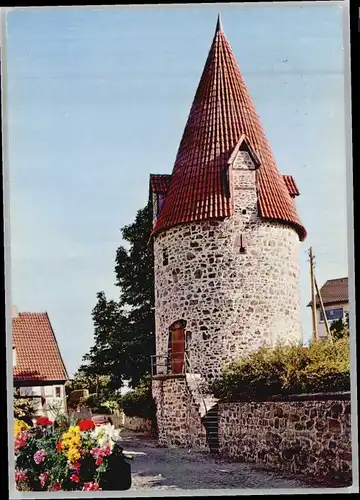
77 397
321 367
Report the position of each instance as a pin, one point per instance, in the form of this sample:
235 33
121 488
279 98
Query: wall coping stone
319 396
169 375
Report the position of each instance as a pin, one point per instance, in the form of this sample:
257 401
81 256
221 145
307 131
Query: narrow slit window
160 202
241 243
165 257
226 182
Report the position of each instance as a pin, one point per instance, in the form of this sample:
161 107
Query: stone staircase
208 410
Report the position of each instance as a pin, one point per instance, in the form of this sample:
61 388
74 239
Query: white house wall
48 392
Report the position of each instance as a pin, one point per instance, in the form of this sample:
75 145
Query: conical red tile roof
222 111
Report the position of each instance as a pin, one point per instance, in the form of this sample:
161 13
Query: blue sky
97 101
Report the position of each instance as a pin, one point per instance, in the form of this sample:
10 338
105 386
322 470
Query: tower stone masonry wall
177 415
232 302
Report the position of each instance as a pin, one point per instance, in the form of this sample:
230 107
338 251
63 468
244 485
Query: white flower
106 435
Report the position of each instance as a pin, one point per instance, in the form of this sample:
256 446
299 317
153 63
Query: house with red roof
38 368
335 297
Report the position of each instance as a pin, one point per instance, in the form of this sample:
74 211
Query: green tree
340 329
139 402
125 330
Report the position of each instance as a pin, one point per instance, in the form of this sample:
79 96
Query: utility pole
313 302
323 311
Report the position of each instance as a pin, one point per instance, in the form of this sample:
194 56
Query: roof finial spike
219 23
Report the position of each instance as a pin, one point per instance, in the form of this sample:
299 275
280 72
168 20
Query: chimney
14 312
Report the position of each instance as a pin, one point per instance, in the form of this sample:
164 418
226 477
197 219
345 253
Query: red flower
75 478
59 447
91 487
86 425
76 465
44 421
20 476
99 461
56 487
21 440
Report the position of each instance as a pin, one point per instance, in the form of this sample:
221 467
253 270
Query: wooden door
177 348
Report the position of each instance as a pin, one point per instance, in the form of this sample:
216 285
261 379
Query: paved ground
165 469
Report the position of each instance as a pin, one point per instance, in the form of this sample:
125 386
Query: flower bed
69 456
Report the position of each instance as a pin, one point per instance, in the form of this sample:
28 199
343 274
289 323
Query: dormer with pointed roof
222 114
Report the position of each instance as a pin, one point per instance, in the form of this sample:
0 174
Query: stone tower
225 239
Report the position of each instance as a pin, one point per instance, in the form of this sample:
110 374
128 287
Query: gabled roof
159 183
222 111
335 291
244 145
291 185
38 356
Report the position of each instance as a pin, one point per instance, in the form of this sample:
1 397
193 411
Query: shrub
24 407
77 397
139 402
73 456
111 406
340 329
92 401
320 367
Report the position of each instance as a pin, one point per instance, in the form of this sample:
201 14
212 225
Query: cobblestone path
170 469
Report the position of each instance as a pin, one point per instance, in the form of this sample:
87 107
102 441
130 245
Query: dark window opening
332 314
160 203
165 257
226 182
58 392
242 244
244 212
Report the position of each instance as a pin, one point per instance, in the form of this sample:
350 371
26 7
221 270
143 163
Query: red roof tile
291 185
334 291
37 352
222 111
160 183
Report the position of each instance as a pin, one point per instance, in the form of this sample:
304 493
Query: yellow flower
71 443
19 426
73 454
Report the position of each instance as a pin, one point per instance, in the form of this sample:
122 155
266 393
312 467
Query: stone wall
137 424
178 417
232 301
310 437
